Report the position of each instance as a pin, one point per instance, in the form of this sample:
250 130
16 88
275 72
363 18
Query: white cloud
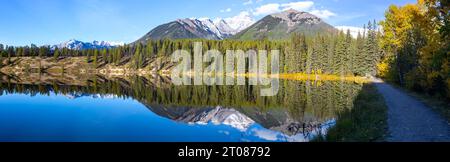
324 14
248 2
267 9
116 43
199 18
224 132
307 6
301 6
353 30
267 134
241 21
226 10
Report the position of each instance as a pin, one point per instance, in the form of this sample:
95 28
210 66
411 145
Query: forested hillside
320 54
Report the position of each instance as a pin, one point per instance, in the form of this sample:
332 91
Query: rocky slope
282 25
190 29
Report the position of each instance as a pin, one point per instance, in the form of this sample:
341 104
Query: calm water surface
147 109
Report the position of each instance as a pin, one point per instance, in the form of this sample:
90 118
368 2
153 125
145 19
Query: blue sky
53 21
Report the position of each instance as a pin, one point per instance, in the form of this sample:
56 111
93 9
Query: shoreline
156 66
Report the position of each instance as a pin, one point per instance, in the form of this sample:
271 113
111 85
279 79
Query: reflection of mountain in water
218 115
232 117
301 109
80 95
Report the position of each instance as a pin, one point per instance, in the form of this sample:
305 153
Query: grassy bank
365 122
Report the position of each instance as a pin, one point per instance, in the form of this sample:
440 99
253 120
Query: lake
43 107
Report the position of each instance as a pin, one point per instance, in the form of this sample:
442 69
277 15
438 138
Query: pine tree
95 58
1 55
103 52
293 54
323 53
339 57
56 54
359 55
347 55
298 54
42 52
88 56
330 55
10 53
65 52
370 52
137 57
118 56
34 50
315 54
149 49
303 53
309 61
19 51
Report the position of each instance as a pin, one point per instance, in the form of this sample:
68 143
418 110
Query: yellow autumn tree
416 51
398 22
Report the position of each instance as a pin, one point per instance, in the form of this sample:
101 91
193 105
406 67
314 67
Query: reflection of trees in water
300 106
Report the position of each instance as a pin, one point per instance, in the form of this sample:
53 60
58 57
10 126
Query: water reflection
301 110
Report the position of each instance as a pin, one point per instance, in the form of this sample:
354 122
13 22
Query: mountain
275 26
190 29
282 25
80 45
77 95
219 27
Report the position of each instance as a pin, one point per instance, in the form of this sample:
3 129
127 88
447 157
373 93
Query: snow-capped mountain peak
203 28
80 45
210 25
217 29
223 26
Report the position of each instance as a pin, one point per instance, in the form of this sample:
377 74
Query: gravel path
410 120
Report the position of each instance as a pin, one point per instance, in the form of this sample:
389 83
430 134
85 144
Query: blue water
110 119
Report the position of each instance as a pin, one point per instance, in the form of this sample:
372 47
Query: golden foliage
415 46
383 69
